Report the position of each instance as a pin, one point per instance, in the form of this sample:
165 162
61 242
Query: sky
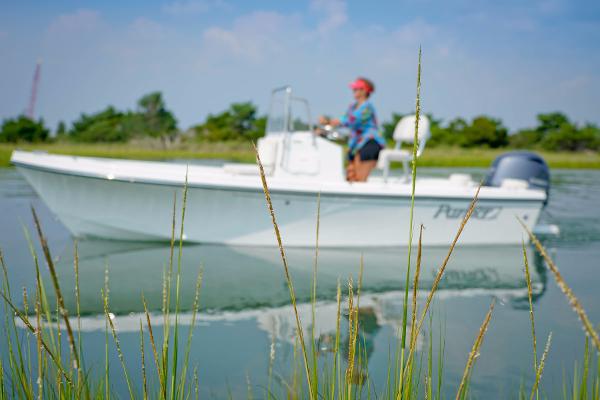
507 59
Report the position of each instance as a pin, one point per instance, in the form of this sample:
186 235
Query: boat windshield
288 113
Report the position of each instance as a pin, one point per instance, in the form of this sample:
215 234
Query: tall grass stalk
336 347
143 363
38 336
588 327
177 290
538 374
153 345
411 222
413 318
188 345
313 301
440 273
106 359
109 318
287 274
164 369
352 315
59 296
461 393
531 315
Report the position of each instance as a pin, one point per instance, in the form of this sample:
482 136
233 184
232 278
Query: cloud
415 32
188 7
520 24
147 28
80 21
254 37
576 83
334 13
551 6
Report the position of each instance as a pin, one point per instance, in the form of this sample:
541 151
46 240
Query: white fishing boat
133 200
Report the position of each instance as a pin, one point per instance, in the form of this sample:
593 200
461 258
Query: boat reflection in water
241 283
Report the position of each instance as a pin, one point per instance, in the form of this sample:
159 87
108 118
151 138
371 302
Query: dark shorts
369 152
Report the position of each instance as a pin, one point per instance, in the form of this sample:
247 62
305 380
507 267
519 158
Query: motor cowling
523 165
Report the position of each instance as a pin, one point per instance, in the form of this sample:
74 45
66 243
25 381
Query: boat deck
246 177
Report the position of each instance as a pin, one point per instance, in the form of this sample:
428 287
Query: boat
134 200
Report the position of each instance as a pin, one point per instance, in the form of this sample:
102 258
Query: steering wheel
331 133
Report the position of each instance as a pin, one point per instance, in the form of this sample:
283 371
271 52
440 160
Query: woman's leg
363 169
351 172
351 169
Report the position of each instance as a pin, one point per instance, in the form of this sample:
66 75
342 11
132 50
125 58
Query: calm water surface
244 299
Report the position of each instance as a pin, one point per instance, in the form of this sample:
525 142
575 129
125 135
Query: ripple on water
12 185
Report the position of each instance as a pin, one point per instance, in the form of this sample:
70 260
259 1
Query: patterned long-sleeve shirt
362 121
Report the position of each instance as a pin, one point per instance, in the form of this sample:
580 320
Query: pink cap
361 84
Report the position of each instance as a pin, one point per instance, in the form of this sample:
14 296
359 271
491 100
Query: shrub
484 131
569 138
24 129
238 122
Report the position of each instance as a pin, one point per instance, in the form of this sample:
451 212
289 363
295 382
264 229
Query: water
245 303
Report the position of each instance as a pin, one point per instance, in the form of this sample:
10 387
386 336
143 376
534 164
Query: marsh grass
64 376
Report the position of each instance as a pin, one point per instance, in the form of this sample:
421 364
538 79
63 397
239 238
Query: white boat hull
124 208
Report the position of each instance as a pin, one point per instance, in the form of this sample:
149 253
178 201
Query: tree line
242 121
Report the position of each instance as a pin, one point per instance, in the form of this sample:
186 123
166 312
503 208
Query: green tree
569 138
484 131
533 137
110 125
238 122
156 120
555 132
61 130
446 135
104 126
551 122
525 139
23 129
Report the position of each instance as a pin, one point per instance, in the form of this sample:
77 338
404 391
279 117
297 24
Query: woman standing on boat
365 141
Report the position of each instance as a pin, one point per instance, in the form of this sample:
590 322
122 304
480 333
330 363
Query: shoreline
243 152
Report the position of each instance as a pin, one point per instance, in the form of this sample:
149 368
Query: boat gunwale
483 197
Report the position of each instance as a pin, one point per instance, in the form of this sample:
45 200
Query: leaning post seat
404 133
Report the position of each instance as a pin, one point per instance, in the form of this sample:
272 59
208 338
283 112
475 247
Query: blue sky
508 59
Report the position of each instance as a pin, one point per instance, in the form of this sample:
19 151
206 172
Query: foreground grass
243 152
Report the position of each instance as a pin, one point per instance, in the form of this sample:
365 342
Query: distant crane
34 90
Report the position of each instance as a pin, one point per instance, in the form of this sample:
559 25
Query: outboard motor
523 165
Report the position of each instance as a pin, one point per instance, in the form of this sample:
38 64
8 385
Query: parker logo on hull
480 212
